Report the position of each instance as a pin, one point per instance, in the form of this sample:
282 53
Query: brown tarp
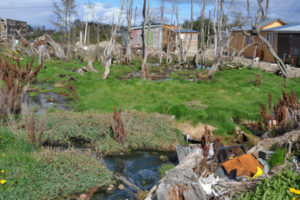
246 165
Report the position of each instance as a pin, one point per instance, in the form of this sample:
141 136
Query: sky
40 12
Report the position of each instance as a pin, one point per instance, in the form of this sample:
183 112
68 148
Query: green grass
165 167
91 129
229 96
32 173
277 157
275 188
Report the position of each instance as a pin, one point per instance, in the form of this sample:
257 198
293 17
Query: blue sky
40 12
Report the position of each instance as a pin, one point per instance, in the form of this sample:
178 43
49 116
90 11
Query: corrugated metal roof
140 27
185 31
293 27
247 26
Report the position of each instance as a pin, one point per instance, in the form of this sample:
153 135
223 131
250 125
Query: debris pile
214 171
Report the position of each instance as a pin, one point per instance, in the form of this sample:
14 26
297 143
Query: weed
164 168
277 157
118 127
275 188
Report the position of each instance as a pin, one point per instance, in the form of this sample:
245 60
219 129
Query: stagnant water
140 168
42 102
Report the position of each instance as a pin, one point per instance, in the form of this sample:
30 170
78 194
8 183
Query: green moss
165 167
32 173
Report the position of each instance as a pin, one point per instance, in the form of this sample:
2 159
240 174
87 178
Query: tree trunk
107 64
284 69
107 57
145 45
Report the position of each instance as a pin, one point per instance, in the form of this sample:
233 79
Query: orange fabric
246 165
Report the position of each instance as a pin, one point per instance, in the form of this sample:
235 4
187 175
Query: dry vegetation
16 79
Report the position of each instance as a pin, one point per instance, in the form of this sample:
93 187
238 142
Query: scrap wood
289 139
58 50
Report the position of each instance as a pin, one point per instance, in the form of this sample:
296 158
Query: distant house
8 29
285 39
159 37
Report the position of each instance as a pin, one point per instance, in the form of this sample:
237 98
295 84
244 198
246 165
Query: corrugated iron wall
289 47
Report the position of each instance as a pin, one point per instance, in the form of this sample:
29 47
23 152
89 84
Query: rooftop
185 31
293 27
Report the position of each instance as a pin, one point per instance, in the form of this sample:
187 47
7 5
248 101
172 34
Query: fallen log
289 139
124 180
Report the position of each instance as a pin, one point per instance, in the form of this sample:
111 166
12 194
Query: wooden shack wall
165 34
155 37
236 44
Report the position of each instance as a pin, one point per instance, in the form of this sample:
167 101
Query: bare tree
162 10
64 12
146 17
129 36
215 26
260 18
182 47
202 35
223 40
107 57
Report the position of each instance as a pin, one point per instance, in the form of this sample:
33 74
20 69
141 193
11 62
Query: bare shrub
34 128
200 167
281 117
14 83
118 127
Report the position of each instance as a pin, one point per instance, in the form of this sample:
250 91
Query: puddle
41 102
140 168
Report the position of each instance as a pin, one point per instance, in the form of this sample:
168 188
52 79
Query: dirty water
140 168
43 101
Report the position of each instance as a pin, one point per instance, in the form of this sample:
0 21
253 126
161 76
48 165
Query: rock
163 158
82 197
58 85
110 188
121 187
80 71
85 69
72 79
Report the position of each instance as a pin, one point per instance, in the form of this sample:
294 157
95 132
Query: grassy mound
32 173
92 129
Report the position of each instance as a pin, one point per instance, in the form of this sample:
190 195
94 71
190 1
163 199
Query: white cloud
35 12
102 12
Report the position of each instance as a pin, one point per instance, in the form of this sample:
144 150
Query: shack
241 41
288 42
162 36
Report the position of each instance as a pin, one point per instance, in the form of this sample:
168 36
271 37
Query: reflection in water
41 102
140 168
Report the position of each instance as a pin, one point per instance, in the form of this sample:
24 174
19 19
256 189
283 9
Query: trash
220 172
265 164
258 173
223 152
246 165
266 155
208 183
